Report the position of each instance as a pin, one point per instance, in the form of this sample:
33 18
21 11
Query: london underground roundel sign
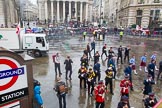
13 79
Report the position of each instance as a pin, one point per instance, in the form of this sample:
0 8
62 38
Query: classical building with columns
60 11
8 13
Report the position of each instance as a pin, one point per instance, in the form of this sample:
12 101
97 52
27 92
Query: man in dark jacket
97 70
93 44
104 50
120 55
89 51
96 57
68 67
151 69
126 54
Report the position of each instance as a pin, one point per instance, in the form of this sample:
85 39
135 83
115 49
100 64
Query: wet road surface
43 69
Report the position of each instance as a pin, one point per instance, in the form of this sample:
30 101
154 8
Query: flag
18 29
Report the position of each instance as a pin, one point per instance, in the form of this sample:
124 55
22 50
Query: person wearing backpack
61 90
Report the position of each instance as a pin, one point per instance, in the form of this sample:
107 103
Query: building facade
30 11
144 13
60 11
98 11
111 8
8 13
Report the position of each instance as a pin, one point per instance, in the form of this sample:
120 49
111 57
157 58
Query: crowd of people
90 75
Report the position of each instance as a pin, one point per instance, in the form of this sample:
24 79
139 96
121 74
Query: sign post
15 83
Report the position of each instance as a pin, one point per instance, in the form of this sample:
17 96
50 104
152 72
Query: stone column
81 10
69 10
58 13
46 11
39 10
63 11
76 10
86 16
52 11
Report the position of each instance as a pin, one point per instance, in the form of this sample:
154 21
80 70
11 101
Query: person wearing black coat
124 102
151 101
84 60
104 50
120 55
126 54
160 70
148 82
151 69
68 67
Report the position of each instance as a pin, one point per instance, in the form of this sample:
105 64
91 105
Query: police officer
90 81
108 79
82 75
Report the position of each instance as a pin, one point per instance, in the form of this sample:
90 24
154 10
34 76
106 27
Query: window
38 40
138 20
151 12
139 12
141 2
157 13
156 1
28 40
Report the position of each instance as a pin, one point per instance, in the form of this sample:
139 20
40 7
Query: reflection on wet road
43 69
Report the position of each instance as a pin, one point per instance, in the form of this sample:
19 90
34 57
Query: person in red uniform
99 91
125 84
